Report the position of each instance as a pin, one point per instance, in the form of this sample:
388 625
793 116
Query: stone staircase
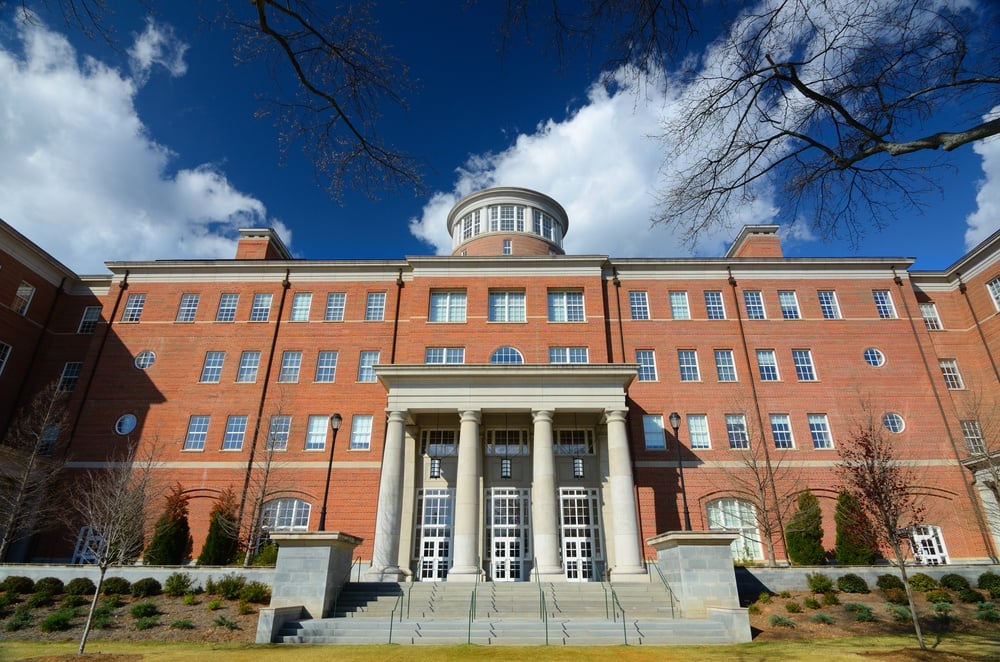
504 614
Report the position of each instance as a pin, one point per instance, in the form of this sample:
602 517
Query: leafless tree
30 468
980 414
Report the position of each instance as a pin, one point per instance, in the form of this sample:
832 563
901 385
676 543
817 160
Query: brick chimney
261 244
756 241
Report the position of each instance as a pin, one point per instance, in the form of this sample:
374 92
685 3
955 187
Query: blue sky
152 150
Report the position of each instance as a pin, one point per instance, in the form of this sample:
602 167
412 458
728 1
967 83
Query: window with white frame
698 431
5 350
507 306
647 365
133 308
335 303
781 430
952 377
444 355
819 430
366 366
316 428
361 433
144 359
725 365
211 369
236 430
736 430
70 377
500 442
326 367
285 515
828 304
639 305
893 422
883 304
291 362
804 369
301 305
506 355
22 298
88 322
679 308
652 432
444 443
375 307
973 434
874 357
767 365
687 361
754 301
789 305
566 306
508 247
714 307
188 307
197 432
48 438
249 362
227 308
573 442
261 309
568 355
739 516
930 314
447 307
277 434
993 287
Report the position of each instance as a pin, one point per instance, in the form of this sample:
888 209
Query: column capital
470 415
615 415
542 415
397 416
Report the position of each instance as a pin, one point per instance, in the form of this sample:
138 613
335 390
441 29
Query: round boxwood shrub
80 586
954 582
851 583
923 582
18 584
990 582
116 586
57 620
971 596
887 581
146 587
938 595
896 596
50 585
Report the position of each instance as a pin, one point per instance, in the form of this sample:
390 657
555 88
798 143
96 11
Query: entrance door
507 530
928 545
436 516
581 533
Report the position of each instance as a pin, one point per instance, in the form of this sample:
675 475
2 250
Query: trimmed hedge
851 583
80 586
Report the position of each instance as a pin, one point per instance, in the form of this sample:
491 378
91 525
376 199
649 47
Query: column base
386 574
629 574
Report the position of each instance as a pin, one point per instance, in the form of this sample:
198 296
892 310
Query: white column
544 511
628 547
465 560
385 557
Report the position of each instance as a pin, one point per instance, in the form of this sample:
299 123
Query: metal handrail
545 620
392 616
538 582
607 612
666 585
409 598
472 611
618 605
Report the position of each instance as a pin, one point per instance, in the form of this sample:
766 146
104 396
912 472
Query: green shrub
146 622
793 607
988 615
989 581
50 585
244 608
899 613
862 613
851 583
143 609
942 607
923 582
112 602
224 622
103 619
73 601
190 599
229 586
39 600
257 592
784 595
57 620
811 602
7 599
764 598
18 584
822 619
182 624
80 586
221 544
830 598
889 581
171 542
970 596
753 609
116 586
21 619
782 622
267 555
855 541
214 604
938 595
177 584
819 583
896 596
804 531
146 587
954 582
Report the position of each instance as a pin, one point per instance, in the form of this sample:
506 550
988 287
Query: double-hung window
261 310
789 305
639 305
91 315
335 302
754 301
930 314
993 287
687 359
249 362
883 304
316 433
133 308
647 365
804 370
188 307
227 308
366 366
301 305
566 306
22 298
781 430
70 377
236 429
447 307
652 431
819 430
361 433
767 365
507 306
211 370
197 432
375 307
973 434
291 362
714 308
277 435
736 430
828 304
725 365
952 377
568 355
679 308
698 431
444 355
326 367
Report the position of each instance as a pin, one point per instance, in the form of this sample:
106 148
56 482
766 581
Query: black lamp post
675 423
335 422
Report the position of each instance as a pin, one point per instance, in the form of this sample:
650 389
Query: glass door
507 533
436 519
581 533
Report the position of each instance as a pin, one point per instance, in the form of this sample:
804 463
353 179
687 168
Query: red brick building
505 409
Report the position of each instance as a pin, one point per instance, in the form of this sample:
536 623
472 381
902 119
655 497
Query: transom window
447 307
973 434
361 433
993 287
652 432
227 308
754 301
714 308
375 307
804 369
736 430
828 304
444 355
789 305
91 315
444 443
261 310
286 515
725 365
211 370
277 434
249 362
506 355
507 306
366 366
952 377
188 307
133 307
679 308
70 377
574 442
22 298
781 429
566 307
819 430
639 305
647 365
316 428
197 432
290 363
893 422
883 304
767 365
236 429
698 431
507 442
568 355
326 367
335 302
687 359
301 305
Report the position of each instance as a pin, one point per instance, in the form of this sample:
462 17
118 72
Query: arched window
506 355
740 517
286 515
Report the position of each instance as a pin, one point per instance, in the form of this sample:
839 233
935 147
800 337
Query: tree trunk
93 606
901 564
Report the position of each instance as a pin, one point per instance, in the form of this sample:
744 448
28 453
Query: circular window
125 424
893 422
144 359
874 357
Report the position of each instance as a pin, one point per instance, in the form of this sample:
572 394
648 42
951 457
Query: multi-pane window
725 365
819 430
789 305
952 377
91 314
679 308
573 442
566 306
639 304
301 305
4 355
994 289
335 302
47 439
767 365
736 430
506 355
754 301
447 307
316 432
188 307
361 433
973 436
366 366
196 433
874 357
698 431
249 361
236 430
22 298
930 314
227 308
277 434
133 307
261 310
444 355
893 422
286 515
506 306
739 516
804 369
647 365
326 367
290 364
687 360
714 307
568 355
211 370
828 304
375 307
883 304
508 247
781 429
652 431
507 442
70 376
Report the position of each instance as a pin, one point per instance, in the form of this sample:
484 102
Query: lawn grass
971 647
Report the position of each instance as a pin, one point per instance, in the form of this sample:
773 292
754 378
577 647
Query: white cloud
81 177
158 44
986 219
